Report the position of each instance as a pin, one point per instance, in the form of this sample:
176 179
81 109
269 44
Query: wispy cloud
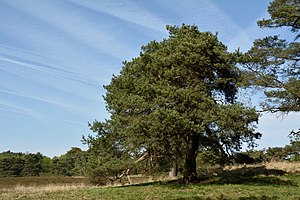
88 67
205 15
11 107
45 79
126 11
72 122
14 108
49 85
75 25
8 106
53 72
45 100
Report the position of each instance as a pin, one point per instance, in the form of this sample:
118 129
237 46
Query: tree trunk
174 170
190 172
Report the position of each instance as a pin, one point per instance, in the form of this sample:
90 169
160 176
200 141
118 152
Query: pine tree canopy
177 96
272 63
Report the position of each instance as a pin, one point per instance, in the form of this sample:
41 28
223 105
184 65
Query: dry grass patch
25 192
288 167
26 187
12 182
46 188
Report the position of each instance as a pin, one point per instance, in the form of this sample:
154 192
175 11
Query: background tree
178 95
46 164
21 164
272 63
11 164
77 160
72 163
293 149
69 164
32 164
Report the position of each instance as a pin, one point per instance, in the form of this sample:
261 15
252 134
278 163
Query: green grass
242 187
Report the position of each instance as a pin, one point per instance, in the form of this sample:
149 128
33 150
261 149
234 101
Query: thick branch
143 157
126 172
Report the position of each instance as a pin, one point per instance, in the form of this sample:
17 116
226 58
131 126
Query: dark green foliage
272 63
32 165
46 164
243 158
276 154
259 156
178 95
106 158
293 148
20 164
78 158
290 152
71 163
11 164
283 13
62 166
28 164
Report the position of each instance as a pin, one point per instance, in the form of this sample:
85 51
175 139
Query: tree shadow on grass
258 180
176 183
247 176
252 176
263 197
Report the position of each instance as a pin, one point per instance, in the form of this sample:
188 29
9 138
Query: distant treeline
30 164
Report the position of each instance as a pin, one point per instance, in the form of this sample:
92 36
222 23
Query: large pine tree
177 96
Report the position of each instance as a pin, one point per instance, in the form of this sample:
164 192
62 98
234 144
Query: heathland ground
268 181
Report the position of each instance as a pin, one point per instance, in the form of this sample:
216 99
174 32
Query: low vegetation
7 183
269 181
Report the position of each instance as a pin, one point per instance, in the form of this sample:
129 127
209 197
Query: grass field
245 182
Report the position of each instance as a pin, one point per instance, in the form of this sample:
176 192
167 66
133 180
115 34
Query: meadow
269 181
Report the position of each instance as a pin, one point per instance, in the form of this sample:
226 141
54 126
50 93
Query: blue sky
55 55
